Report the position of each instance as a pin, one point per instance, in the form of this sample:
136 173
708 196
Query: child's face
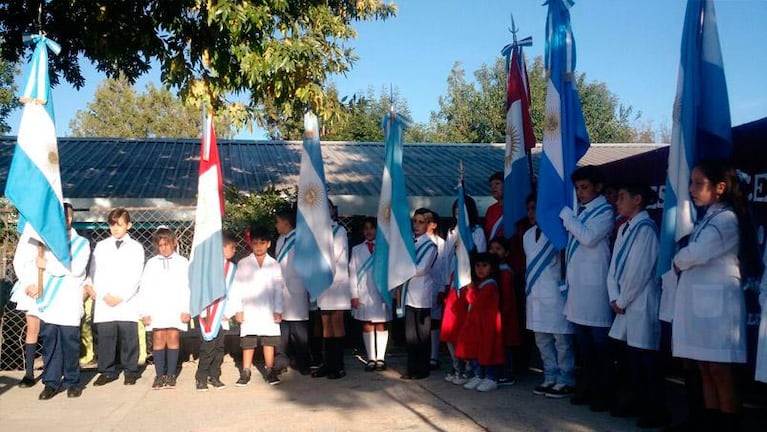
498 250
496 189
431 228
282 225
120 228
531 212
419 225
702 191
482 270
628 205
166 246
586 191
260 246
369 232
229 250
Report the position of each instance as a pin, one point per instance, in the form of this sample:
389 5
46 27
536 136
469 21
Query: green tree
244 210
274 53
8 101
118 111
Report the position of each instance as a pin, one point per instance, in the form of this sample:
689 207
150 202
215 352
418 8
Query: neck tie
625 228
118 243
370 246
537 233
581 208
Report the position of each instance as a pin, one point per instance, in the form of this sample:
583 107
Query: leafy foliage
244 210
8 100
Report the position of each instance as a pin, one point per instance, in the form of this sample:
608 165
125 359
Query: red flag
209 156
519 89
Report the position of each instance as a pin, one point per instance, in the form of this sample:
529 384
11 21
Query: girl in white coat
164 305
709 323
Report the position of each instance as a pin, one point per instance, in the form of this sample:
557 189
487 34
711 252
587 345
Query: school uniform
294 328
417 300
25 267
481 337
494 221
508 308
257 293
438 271
477 236
164 292
60 309
545 307
338 295
709 321
212 320
761 351
372 307
115 268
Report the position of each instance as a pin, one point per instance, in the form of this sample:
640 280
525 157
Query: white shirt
164 292
371 305
418 289
338 296
257 293
545 305
117 272
295 298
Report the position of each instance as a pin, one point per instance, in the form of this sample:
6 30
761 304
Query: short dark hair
501 241
116 214
427 214
591 173
370 220
288 215
68 208
648 195
260 233
165 233
498 175
227 238
471 209
531 197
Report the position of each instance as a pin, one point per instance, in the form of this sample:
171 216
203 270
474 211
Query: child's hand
111 300
147 320
32 291
239 317
278 318
355 303
185 317
90 291
615 308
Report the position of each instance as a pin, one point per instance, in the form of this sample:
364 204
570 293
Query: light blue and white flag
565 139
34 179
394 254
463 244
314 233
702 128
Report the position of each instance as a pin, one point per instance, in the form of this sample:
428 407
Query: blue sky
633 46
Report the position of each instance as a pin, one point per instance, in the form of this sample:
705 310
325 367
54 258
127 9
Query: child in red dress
512 338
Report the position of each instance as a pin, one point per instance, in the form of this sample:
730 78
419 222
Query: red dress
481 336
509 309
454 315
493 213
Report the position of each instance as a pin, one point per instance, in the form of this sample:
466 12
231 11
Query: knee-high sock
29 359
172 365
368 338
382 339
435 344
340 345
159 361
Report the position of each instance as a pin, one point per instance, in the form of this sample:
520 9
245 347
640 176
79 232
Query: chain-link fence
93 226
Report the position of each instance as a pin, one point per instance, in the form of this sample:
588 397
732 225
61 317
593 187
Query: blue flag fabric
702 128
34 178
314 233
464 243
565 139
394 255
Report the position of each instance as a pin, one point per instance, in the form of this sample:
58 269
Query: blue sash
364 268
420 254
290 241
623 253
53 283
573 243
211 328
704 223
538 264
495 227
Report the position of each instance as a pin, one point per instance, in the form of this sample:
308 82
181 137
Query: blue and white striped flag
394 254
314 233
463 244
34 179
702 128
565 139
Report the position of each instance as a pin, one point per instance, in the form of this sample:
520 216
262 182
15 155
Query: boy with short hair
494 213
588 306
113 280
256 303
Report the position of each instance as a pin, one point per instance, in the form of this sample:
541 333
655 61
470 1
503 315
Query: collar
599 200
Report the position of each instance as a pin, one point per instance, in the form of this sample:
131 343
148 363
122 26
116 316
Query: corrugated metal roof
167 168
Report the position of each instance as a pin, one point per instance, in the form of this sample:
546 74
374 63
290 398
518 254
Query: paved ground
362 401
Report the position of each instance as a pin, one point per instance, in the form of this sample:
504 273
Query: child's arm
353 282
718 238
278 286
593 231
424 266
144 295
640 267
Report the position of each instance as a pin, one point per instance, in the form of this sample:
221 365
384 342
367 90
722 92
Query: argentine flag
314 234
520 138
701 128
565 139
34 180
394 254
206 262
463 244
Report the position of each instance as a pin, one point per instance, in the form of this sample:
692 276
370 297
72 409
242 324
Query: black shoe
216 383
380 365
406 376
27 382
104 379
433 364
271 378
559 391
158 383
130 379
506 381
320 372
370 366
170 382
305 371
201 386
244 378
336 375
48 393
542 389
74 392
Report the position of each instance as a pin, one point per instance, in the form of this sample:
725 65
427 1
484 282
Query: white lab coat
372 306
545 306
257 293
632 284
164 292
480 243
295 299
117 272
438 276
710 311
587 265
338 296
418 289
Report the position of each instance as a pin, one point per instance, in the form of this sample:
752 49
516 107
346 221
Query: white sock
368 339
382 339
435 344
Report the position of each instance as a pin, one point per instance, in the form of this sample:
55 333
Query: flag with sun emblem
394 256
565 139
34 179
519 137
702 127
314 234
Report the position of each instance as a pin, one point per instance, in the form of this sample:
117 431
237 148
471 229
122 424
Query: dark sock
330 354
29 359
172 365
159 361
729 422
340 352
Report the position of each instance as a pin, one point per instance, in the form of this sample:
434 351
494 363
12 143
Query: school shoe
487 385
48 393
104 379
216 383
74 392
380 365
320 372
130 379
450 376
201 386
271 378
433 364
559 391
158 383
27 382
244 378
460 379
170 382
334 375
506 381
370 366
543 388
472 383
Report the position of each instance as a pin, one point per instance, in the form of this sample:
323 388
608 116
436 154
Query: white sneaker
473 383
460 379
487 385
450 377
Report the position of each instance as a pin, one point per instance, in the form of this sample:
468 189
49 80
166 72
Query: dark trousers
593 350
61 355
211 357
418 340
647 382
109 334
294 339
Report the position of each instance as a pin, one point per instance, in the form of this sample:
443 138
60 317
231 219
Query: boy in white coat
588 306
